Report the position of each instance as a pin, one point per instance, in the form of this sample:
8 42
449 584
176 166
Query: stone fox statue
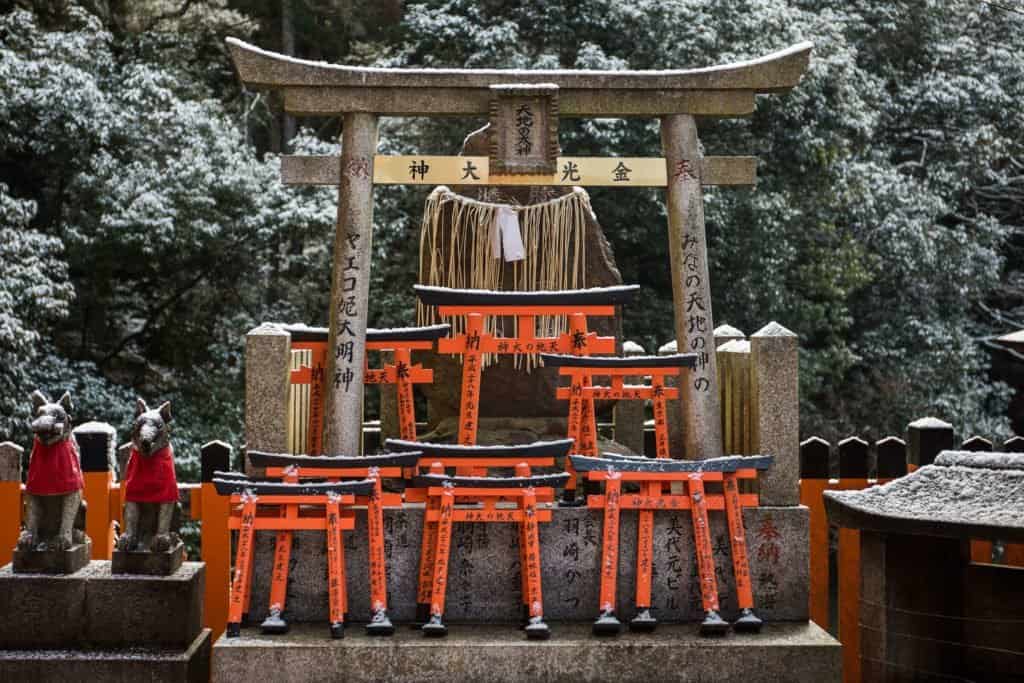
151 510
55 513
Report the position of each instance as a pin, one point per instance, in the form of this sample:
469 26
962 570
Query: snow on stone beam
962 495
317 88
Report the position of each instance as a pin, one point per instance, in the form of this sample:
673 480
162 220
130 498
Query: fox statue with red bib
54 485
151 509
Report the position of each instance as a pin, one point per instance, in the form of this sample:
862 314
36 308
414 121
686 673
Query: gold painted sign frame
475 170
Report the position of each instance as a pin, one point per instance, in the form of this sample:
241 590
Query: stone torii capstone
524 108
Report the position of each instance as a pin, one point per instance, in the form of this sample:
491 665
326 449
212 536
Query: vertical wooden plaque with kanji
524 129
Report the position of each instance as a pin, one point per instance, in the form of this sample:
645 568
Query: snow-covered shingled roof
962 495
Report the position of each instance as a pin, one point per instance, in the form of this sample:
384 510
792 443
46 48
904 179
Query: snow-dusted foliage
882 211
173 236
141 234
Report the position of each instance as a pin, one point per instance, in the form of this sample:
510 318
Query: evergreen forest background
144 230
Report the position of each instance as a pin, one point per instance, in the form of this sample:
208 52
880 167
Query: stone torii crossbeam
524 108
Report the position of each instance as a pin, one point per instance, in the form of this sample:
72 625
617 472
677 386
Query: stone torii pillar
350 286
691 286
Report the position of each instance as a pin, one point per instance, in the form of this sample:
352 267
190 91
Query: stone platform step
781 652
110 664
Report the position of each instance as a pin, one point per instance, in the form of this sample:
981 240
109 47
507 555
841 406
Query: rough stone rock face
505 390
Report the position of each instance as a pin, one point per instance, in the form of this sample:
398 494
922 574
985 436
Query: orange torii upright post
465 459
653 475
525 307
580 370
257 505
484 493
295 468
403 373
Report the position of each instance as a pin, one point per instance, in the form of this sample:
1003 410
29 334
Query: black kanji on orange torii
297 468
582 370
465 460
402 372
525 307
526 491
653 475
262 505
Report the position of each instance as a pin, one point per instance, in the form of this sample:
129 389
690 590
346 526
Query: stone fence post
733 351
267 378
10 498
97 442
629 415
775 405
927 437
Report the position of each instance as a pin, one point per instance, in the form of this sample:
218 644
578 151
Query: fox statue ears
39 400
164 409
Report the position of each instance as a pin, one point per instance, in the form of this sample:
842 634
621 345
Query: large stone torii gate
524 108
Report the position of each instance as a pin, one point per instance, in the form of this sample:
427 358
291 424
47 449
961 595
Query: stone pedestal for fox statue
53 540
149 542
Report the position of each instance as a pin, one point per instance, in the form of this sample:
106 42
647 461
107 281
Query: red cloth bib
150 479
54 470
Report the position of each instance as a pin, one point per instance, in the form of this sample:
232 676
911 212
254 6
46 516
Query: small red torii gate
403 373
526 491
295 469
526 307
654 475
284 499
581 371
467 461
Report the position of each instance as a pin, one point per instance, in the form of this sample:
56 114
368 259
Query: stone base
148 563
52 561
119 664
93 608
780 653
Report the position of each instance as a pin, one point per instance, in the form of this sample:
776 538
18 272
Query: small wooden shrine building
927 612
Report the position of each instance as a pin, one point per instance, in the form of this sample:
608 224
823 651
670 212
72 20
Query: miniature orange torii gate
526 492
295 468
583 422
476 305
653 474
519 155
466 460
285 500
402 372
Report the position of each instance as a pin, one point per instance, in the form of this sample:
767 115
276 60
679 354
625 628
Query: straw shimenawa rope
455 251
